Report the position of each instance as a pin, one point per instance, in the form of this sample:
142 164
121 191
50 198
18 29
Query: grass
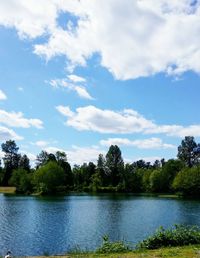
9 190
178 252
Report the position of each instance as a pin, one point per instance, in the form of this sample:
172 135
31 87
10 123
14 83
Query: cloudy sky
79 76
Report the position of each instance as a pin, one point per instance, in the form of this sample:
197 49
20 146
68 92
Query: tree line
53 173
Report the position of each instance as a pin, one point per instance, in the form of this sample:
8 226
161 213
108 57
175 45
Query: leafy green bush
22 180
112 247
179 235
187 181
48 177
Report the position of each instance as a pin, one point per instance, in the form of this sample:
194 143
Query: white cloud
8 134
79 155
91 118
82 92
2 95
53 150
152 143
72 86
65 111
106 121
29 19
1 154
75 78
17 119
133 37
176 130
30 155
41 143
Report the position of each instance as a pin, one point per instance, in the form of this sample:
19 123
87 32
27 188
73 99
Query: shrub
179 235
22 180
48 178
112 247
187 181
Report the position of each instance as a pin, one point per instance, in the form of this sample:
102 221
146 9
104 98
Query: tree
157 164
22 180
169 170
96 182
101 170
24 163
11 159
141 164
185 151
131 179
42 158
146 184
78 177
61 159
48 177
157 180
188 181
115 164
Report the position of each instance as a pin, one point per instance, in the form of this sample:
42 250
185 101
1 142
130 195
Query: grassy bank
8 190
178 252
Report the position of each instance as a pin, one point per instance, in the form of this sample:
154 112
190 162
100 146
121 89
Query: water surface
55 225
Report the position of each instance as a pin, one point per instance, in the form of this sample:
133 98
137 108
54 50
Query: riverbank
12 190
178 252
7 190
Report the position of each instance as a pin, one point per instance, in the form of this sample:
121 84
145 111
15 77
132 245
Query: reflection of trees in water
51 219
109 217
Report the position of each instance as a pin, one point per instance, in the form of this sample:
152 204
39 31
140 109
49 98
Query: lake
54 225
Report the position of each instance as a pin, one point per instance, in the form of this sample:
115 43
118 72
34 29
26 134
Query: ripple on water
34 226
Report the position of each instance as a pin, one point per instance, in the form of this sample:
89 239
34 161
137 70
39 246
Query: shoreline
192 251
12 190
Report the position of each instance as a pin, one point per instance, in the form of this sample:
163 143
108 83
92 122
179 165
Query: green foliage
170 169
11 159
188 181
131 179
156 180
22 180
177 236
96 182
114 165
112 247
185 151
24 162
48 177
109 175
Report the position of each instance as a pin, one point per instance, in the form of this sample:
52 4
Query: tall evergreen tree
11 159
24 163
115 164
185 151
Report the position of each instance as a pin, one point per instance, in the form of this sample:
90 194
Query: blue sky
79 76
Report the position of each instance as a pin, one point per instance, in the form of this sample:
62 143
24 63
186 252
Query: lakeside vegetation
53 174
178 241
178 252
